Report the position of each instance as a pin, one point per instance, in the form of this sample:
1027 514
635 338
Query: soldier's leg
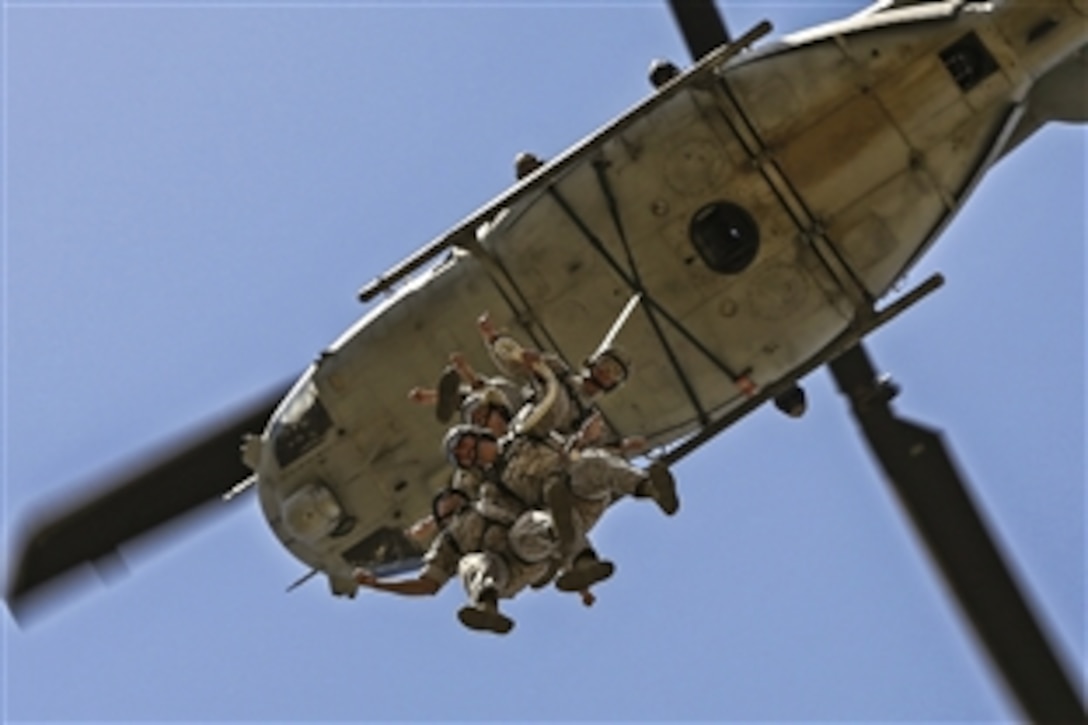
538 550
583 568
595 477
532 537
597 471
484 575
560 502
525 574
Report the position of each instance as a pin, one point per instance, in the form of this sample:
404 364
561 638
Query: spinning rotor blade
701 25
929 487
191 473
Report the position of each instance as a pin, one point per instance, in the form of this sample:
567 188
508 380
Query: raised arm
419 587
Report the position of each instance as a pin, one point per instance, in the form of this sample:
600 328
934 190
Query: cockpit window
301 426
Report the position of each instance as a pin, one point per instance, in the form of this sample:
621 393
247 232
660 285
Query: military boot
560 503
485 616
663 488
449 395
586 571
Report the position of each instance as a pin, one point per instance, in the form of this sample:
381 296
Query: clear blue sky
192 196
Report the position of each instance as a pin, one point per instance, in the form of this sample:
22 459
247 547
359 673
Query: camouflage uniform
530 465
527 466
598 478
468 482
485 556
599 474
513 392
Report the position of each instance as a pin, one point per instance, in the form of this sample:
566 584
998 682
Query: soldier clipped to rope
527 487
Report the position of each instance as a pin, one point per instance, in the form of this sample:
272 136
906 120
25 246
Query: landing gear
793 402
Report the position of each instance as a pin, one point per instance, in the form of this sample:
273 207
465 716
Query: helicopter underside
759 218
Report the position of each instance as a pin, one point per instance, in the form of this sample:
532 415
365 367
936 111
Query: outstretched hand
364 577
486 326
423 396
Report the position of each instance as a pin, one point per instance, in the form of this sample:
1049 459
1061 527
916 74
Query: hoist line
651 315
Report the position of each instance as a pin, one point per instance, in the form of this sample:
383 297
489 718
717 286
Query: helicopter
441 345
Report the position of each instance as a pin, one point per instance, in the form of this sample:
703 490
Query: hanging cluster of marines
534 470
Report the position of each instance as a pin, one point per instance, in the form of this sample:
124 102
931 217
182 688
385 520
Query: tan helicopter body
754 213
816 169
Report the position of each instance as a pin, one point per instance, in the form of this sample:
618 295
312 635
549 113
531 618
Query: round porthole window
726 237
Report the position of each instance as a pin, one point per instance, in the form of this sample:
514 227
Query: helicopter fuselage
762 206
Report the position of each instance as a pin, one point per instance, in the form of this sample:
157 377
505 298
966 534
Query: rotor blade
930 488
701 25
192 472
